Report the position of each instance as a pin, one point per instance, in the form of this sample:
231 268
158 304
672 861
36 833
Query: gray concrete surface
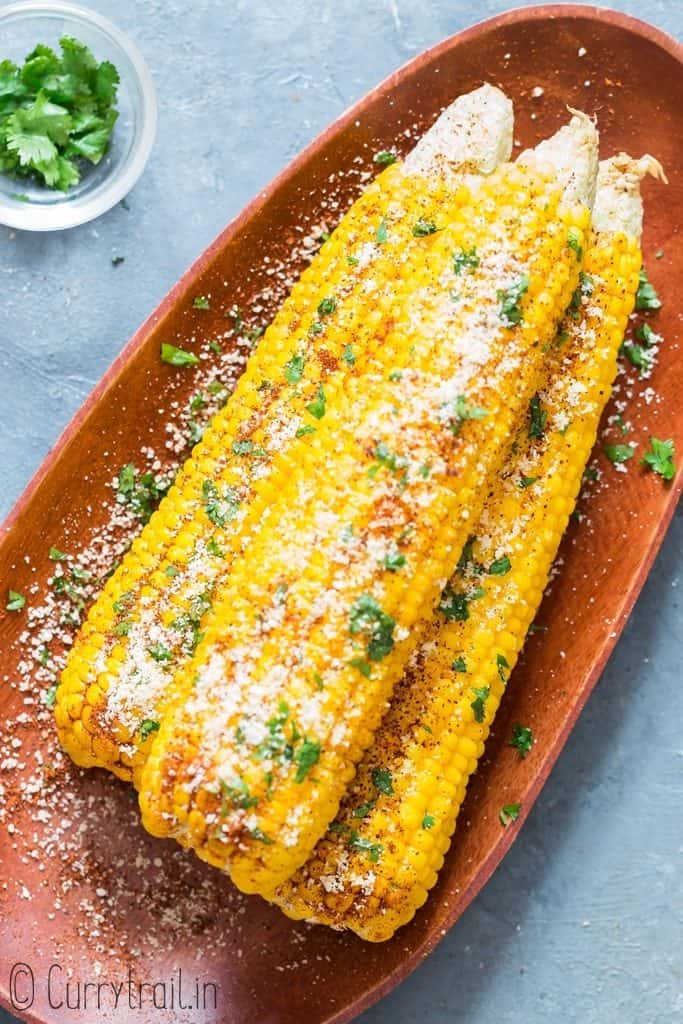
583 922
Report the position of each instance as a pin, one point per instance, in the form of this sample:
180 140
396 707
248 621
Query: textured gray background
584 920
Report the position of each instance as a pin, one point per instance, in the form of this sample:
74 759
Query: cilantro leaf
478 705
307 755
15 601
422 228
383 781
619 453
522 739
147 727
646 296
509 813
177 356
510 310
366 616
660 458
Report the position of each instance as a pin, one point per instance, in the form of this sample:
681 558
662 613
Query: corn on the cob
379 858
149 616
265 725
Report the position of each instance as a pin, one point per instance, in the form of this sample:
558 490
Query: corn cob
381 855
147 620
266 723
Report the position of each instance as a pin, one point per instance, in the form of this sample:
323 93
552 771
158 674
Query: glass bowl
30 206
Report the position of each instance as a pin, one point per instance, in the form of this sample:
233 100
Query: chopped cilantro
374 850
319 681
637 355
645 334
338 827
221 509
467 559
510 310
618 453
278 746
305 430
363 810
366 616
509 813
260 836
428 821
249 448
522 739
50 696
478 705
116 261
362 665
201 302
141 492
317 406
583 290
660 458
122 604
385 457
461 410
381 232
177 356
307 755
574 242
500 567
384 158
646 296
213 547
383 781
465 259
294 368
393 559
327 306
352 261
55 112
15 601
503 666
527 481
236 793
348 356
422 228
55 555
454 606
171 571
459 665
537 418
147 727
160 653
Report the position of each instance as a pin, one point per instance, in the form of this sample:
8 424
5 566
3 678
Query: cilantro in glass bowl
77 115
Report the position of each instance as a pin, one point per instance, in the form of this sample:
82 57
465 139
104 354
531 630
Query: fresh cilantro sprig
56 111
660 458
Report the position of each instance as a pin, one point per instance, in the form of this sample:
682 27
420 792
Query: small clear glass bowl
26 204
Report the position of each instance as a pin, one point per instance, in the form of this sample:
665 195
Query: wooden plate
81 887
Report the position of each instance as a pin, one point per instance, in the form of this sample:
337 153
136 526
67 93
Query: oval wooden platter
82 887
